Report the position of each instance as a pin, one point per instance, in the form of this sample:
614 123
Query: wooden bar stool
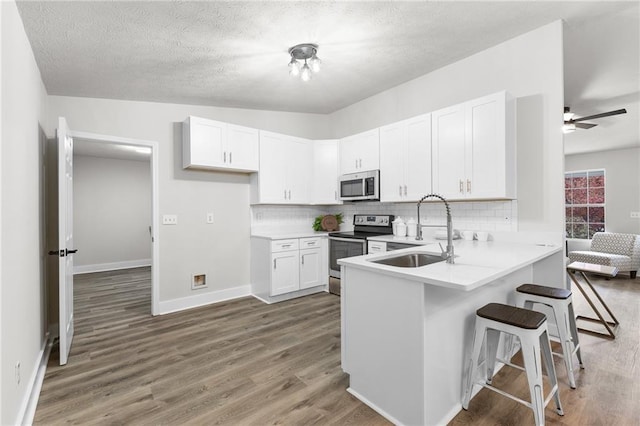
531 328
559 300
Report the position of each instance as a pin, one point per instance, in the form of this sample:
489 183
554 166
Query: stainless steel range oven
354 243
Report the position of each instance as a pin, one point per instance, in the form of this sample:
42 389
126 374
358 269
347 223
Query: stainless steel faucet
448 254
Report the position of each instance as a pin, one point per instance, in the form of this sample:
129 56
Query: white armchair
612 249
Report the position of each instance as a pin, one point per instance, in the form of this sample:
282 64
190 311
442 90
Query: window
584 203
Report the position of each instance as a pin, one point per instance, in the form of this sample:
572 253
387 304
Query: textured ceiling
234 54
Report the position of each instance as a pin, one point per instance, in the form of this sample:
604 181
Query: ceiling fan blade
604 114
585 125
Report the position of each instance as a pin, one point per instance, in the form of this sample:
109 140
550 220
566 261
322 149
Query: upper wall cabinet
285 170
405 159
360 152
474 149
214 145
324 186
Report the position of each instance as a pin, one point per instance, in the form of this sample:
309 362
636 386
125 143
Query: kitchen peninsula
406 331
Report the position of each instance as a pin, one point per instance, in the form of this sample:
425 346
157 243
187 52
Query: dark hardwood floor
243 362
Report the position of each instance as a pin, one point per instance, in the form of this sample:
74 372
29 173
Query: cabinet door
448 143
393 145
360 152
242 148
485 147
204 143
369 150
272 175
417 164
349 158
298 170
310 268
284 272
325 172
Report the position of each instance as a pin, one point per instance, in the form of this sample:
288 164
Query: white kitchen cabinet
376 247
285 170
285 276
287 268
214 145
360 152
474 149
311 263
325 172
405 159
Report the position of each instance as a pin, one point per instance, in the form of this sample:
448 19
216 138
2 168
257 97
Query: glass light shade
315 63
568 128
305 73
294 68
568 116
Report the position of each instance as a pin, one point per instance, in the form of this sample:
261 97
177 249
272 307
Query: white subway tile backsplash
485 216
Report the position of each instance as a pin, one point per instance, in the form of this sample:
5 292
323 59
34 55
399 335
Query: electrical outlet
169 219
635 215
18 373
209 217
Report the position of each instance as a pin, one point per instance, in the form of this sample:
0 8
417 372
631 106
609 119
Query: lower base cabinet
283 269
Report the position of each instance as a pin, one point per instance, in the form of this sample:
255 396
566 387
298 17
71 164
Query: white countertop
285 235
476 263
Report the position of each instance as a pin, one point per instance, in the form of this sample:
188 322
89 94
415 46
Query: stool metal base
580 268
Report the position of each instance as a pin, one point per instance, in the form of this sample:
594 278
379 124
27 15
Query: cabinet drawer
306 243
284 245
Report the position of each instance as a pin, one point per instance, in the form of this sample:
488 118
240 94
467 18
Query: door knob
68 252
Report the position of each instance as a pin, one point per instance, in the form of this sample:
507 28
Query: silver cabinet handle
405 190
302 257
289 194
285 194
468 185
400 190
286 245
274 263
361 163
356 163
224 157
230 157
461 186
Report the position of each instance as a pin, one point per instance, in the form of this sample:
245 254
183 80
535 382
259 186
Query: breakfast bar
406 331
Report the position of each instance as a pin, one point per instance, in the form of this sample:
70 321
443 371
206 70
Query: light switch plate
209 217
635 215
169 219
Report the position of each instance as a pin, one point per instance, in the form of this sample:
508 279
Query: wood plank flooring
243 362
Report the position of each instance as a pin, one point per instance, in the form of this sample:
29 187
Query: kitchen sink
410 260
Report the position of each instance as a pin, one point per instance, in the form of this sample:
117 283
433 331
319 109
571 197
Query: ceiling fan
571 123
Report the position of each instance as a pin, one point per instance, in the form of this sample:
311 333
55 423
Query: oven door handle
349 240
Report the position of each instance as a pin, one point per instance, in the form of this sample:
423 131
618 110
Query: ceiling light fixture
304 52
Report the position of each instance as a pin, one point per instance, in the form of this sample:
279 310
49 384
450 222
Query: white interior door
65 238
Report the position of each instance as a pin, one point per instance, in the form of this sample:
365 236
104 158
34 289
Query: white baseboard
30 402
374 407
203 299
113 266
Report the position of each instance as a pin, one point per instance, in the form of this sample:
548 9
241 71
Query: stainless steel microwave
360 186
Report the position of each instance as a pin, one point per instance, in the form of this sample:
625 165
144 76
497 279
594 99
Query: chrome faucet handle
443 253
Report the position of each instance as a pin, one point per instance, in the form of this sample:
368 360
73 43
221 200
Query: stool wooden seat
530 327
560 302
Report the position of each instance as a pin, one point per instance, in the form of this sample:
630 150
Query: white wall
111 213
220 250
530 67
622 172
23 295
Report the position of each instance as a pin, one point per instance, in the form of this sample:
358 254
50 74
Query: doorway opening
136 162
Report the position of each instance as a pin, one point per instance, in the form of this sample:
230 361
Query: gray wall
22 292
622 196
111 213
